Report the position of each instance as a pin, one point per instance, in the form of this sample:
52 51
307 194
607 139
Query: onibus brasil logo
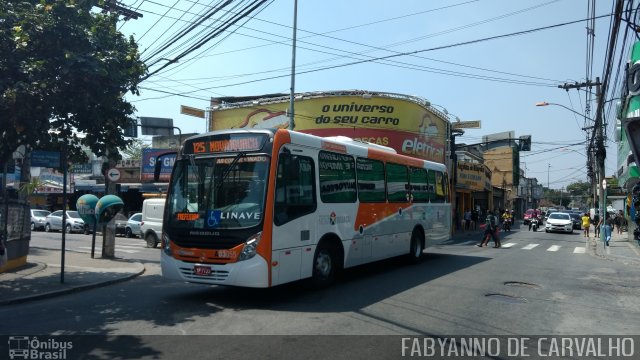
25 347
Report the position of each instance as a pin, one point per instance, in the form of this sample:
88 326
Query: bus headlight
250 246
166 246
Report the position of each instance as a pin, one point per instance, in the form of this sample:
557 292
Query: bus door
294 229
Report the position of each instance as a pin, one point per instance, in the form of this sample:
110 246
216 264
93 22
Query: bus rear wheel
417 246
324 266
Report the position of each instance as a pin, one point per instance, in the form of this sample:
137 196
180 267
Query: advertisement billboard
402 124
149 162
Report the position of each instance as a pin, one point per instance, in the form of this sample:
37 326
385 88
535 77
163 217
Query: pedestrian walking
608 227
586 223
467 220
474 219
596 224
491 230
619 220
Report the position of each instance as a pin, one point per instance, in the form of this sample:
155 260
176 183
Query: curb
72 289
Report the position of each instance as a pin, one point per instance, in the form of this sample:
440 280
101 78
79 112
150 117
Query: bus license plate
201 270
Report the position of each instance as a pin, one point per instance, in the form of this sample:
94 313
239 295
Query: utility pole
601 153
595 177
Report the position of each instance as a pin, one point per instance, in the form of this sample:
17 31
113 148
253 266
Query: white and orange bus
259 208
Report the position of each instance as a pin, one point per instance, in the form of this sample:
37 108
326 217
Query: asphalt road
538 283
127 248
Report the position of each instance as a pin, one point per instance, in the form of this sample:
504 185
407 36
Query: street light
548 168
544 103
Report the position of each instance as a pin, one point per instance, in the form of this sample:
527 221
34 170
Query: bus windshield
218 193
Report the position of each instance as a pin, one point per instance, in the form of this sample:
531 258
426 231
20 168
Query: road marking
507 245
530 246
132 246
553 248
579 250
117 249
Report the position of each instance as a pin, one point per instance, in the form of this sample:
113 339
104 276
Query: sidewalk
620 248
40 277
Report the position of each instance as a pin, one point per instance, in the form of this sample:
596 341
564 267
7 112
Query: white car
38 219
74 222
559 221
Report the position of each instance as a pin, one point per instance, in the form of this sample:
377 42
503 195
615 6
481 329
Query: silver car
38 219
74 222
133 225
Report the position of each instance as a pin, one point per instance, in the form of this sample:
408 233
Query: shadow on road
356 288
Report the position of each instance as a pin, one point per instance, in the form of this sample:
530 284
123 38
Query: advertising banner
403 125
149 162
475 177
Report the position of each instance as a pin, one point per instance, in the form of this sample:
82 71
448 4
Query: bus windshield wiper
228 169
192 162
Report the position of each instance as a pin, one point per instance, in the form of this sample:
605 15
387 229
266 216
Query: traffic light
525 143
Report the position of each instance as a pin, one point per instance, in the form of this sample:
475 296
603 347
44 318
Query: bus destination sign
225 143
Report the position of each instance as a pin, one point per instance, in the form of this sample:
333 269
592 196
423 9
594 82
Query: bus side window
397 183
295 188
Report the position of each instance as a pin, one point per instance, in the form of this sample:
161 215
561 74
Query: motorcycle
534 224
507 225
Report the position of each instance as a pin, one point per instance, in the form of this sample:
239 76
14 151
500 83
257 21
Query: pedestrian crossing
127 249
550 248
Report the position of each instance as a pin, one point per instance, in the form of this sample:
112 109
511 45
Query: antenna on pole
293 65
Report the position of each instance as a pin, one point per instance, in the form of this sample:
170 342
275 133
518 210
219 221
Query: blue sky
496 81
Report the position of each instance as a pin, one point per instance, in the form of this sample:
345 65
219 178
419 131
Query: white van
151 224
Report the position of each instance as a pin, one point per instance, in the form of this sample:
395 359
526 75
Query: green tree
580 188
135 148
64 70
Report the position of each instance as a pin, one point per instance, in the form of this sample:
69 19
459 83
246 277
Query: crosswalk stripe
530 246
131 246
117 249
579 250
553 248
507 245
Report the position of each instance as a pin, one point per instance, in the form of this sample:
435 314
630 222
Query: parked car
151 224
559 221
121 224
73 224
38 219
133 225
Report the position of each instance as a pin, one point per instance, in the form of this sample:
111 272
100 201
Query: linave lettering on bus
232 215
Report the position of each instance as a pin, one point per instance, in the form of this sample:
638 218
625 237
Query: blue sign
149 163
48 159
81 169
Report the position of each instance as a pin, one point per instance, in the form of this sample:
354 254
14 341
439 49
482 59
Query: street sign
191 111
471 124
156 126
113 174
48 159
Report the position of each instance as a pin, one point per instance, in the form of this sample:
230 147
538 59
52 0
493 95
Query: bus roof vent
348 140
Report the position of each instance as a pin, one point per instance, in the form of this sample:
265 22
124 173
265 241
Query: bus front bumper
249 273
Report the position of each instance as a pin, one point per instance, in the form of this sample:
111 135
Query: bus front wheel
324 266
